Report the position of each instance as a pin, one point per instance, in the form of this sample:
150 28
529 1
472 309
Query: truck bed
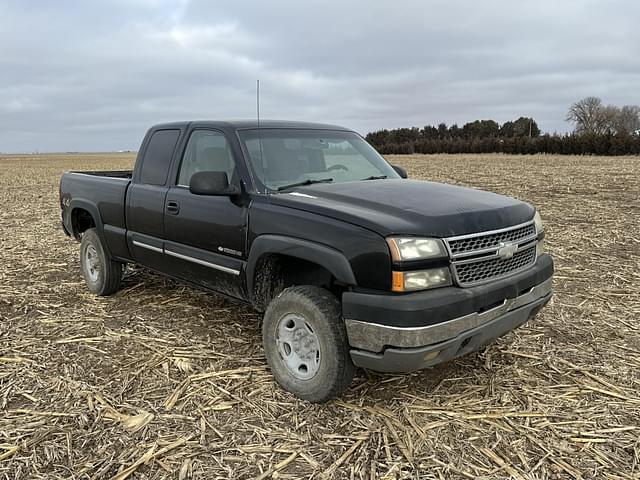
104 191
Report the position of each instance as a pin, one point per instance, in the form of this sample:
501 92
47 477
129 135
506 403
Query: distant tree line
598 130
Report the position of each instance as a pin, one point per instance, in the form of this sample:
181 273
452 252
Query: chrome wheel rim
298 346
92 263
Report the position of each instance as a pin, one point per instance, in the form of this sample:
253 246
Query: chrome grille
481 257
477 272
481 242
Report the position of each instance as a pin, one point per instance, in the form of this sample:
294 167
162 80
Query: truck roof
250 124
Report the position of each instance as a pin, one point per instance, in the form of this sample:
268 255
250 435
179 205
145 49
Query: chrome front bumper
374 337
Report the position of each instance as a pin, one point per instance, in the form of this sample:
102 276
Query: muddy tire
306 344
101 274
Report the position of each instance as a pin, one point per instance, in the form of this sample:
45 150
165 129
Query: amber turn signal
420 279
397 281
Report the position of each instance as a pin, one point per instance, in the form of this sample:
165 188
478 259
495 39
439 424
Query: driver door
205 235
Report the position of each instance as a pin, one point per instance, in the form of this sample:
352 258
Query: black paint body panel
411 207
103 196
193 224
366 251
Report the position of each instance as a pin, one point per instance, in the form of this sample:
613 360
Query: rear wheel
306 344
101 274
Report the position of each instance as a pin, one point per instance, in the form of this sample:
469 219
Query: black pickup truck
352 263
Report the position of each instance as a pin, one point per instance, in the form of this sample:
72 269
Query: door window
207 151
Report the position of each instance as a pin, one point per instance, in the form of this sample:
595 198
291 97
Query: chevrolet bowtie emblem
507 250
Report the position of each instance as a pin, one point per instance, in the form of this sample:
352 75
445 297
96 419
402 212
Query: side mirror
400 171
212 183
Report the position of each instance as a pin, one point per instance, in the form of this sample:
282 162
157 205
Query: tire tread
112 270
329 307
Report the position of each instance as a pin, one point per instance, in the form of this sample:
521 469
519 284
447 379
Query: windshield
283 158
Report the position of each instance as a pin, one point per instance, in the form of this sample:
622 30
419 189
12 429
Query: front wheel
306 344
101 274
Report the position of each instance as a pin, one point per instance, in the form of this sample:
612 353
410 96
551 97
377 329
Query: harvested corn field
165 381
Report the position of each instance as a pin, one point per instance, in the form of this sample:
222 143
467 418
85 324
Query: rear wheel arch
83 217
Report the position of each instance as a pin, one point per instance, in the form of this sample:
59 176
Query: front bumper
422 339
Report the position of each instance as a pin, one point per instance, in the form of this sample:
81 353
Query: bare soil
165 381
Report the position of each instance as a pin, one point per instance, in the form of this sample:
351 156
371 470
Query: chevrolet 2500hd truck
351 263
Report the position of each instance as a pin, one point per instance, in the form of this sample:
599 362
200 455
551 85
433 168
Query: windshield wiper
308 181
374 177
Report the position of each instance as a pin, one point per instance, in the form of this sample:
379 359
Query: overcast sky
92 76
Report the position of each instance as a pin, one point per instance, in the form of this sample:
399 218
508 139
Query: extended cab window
157 157
207 151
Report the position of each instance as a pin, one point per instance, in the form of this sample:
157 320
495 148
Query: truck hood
412 207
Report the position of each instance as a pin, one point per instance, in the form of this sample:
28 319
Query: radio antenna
258 101
258 118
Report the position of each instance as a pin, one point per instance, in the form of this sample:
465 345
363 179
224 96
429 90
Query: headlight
538 223
412 248
420 279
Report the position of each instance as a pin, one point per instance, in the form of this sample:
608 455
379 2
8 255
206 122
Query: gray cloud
94 75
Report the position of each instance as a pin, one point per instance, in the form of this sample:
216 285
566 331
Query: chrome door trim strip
202 262
147 246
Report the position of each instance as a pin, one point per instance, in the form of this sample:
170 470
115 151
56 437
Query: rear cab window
157 156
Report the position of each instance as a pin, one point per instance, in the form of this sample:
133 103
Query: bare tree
627 120
608 118
590 116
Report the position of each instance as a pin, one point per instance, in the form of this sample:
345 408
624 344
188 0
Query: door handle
173 208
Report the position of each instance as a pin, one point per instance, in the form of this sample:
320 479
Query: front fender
331 259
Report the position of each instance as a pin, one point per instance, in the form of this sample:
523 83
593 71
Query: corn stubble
161 380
